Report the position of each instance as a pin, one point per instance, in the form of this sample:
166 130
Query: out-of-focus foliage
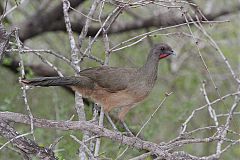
185 83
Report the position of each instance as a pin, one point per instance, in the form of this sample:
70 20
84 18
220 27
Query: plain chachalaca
113 87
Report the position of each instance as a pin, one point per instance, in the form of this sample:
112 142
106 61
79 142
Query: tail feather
80 81
51 81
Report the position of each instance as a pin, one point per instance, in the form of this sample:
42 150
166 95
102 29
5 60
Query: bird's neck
149 70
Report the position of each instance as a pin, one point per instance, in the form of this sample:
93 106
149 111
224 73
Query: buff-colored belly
110 100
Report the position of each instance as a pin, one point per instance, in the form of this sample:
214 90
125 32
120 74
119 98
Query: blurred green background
181 74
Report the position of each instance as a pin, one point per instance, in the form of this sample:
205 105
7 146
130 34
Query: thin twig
161 29
88 22
152 115
184 125
24 94
211 111
12 9
87 150
79 106
98 141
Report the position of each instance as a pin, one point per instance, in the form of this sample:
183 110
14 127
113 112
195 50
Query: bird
113 87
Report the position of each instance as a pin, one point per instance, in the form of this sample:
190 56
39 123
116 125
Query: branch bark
41 21
87 126
52 21
24 144
4 39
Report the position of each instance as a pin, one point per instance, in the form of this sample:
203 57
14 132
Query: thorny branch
25 145
192 18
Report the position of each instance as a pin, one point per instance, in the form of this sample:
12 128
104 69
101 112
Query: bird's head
161 51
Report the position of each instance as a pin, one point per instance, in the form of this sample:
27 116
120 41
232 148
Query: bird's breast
109 100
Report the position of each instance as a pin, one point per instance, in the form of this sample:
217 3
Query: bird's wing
113 79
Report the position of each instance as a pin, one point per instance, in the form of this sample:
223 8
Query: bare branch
4 39
86 126
24 94
87 150
25 145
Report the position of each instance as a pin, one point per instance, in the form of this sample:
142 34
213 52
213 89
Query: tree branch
87 126
24 144
40 23
4 39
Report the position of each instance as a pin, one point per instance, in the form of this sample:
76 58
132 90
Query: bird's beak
166 54
170 52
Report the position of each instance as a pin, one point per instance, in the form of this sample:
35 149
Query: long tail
53 81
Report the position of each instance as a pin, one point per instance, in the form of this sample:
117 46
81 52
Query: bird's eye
162 49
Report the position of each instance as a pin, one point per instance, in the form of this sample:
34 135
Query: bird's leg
121 117
127 129
96 110
111 122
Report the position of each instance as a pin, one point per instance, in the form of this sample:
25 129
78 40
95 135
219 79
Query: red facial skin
163 55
